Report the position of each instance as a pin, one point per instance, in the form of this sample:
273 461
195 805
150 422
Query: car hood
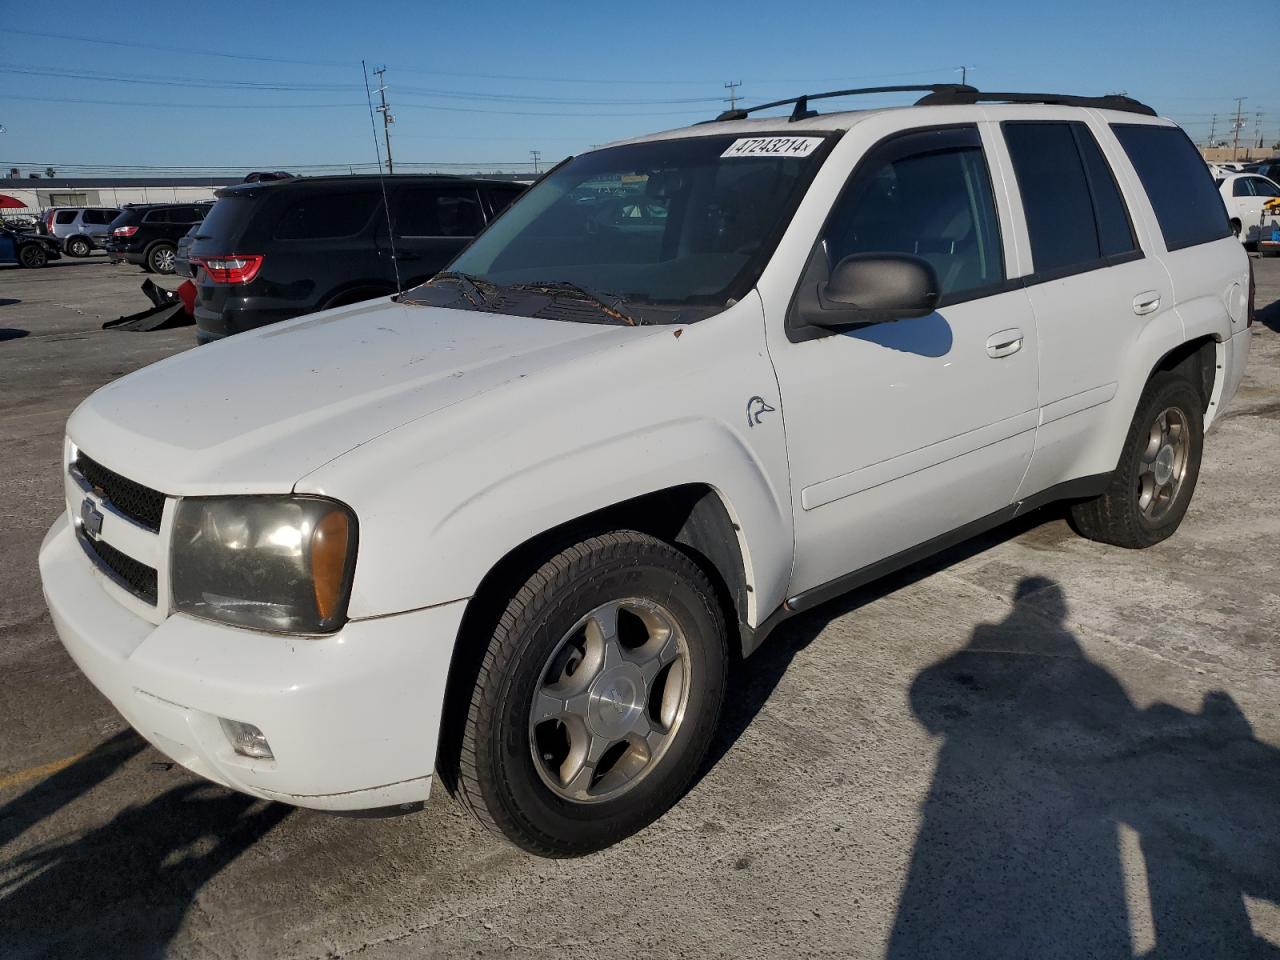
258 411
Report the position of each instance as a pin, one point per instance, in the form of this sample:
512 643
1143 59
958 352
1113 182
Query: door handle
1004 344
1145 303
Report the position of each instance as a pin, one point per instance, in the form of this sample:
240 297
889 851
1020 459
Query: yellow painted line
38 773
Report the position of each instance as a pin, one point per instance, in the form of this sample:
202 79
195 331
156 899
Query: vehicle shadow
12 333
121 889
752 682
1269 316
1045 766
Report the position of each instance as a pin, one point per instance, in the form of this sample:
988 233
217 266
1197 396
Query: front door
904 431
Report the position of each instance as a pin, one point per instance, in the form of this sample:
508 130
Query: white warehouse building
30 195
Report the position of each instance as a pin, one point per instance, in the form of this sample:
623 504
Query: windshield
671 224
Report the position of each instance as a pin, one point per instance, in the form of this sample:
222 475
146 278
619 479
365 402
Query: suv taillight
1252 308
235 268
124 231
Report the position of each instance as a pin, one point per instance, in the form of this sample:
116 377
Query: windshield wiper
471 286
557 287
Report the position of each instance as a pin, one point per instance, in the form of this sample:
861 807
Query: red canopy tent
11 203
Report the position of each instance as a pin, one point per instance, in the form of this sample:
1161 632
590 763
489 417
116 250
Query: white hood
258 411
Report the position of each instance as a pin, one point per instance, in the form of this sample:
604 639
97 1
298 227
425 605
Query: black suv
148 233
279 249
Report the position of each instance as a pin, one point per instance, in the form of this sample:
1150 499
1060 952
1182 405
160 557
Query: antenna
386 206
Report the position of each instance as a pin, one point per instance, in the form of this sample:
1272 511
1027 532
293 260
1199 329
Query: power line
175 49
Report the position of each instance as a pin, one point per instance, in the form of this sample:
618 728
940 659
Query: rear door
1093 288
322 245
432 223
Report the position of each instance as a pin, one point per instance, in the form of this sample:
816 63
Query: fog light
246 739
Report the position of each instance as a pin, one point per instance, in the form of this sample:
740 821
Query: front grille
137 578
140 504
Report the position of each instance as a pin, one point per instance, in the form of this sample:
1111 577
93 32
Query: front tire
596 699
1152 485
33 256
160 258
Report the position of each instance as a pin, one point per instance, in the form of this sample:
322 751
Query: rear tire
1152 485
596 699
160 258
78 247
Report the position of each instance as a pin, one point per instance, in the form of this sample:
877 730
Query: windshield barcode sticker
773 147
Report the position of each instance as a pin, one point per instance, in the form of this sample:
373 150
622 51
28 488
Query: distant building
30 195
35 195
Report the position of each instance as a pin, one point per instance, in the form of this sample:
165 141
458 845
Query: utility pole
1257 129
1213 130
1237 125
537 155
732 86
387 119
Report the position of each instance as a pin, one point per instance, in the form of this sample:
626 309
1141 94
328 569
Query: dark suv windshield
668 223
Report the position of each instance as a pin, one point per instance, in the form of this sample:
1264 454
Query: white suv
513 525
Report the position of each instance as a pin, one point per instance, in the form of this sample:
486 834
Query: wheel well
1197 360
691 516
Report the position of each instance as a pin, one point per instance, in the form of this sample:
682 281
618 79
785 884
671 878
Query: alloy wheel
1163 465
610 700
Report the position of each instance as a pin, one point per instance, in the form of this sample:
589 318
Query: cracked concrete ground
1033 746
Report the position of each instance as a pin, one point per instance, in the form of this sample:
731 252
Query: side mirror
869 288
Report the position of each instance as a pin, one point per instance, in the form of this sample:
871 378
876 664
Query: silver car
80 229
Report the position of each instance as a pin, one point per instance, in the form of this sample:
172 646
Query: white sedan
1244 194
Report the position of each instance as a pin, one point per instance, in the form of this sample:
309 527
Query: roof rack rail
802 111
960 95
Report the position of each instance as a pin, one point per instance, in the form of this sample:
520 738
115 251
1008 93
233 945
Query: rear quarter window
326 216
1188 206
65 216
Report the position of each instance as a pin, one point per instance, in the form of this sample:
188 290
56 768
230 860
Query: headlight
273 563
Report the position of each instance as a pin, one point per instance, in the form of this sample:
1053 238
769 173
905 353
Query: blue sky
485 83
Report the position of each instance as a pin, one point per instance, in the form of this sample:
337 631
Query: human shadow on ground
1044 761
122 888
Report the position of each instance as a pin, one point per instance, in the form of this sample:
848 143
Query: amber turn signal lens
329 541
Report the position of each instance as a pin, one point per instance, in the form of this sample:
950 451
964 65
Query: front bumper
353 718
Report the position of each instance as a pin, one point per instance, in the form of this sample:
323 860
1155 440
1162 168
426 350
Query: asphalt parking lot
1033 746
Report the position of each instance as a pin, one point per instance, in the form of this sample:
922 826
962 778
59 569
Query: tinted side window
99 216
1055 196
1240 188
439 212
65 216
325 216
1115 233
1179 185
501 197
927 194
157 216
1264 188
